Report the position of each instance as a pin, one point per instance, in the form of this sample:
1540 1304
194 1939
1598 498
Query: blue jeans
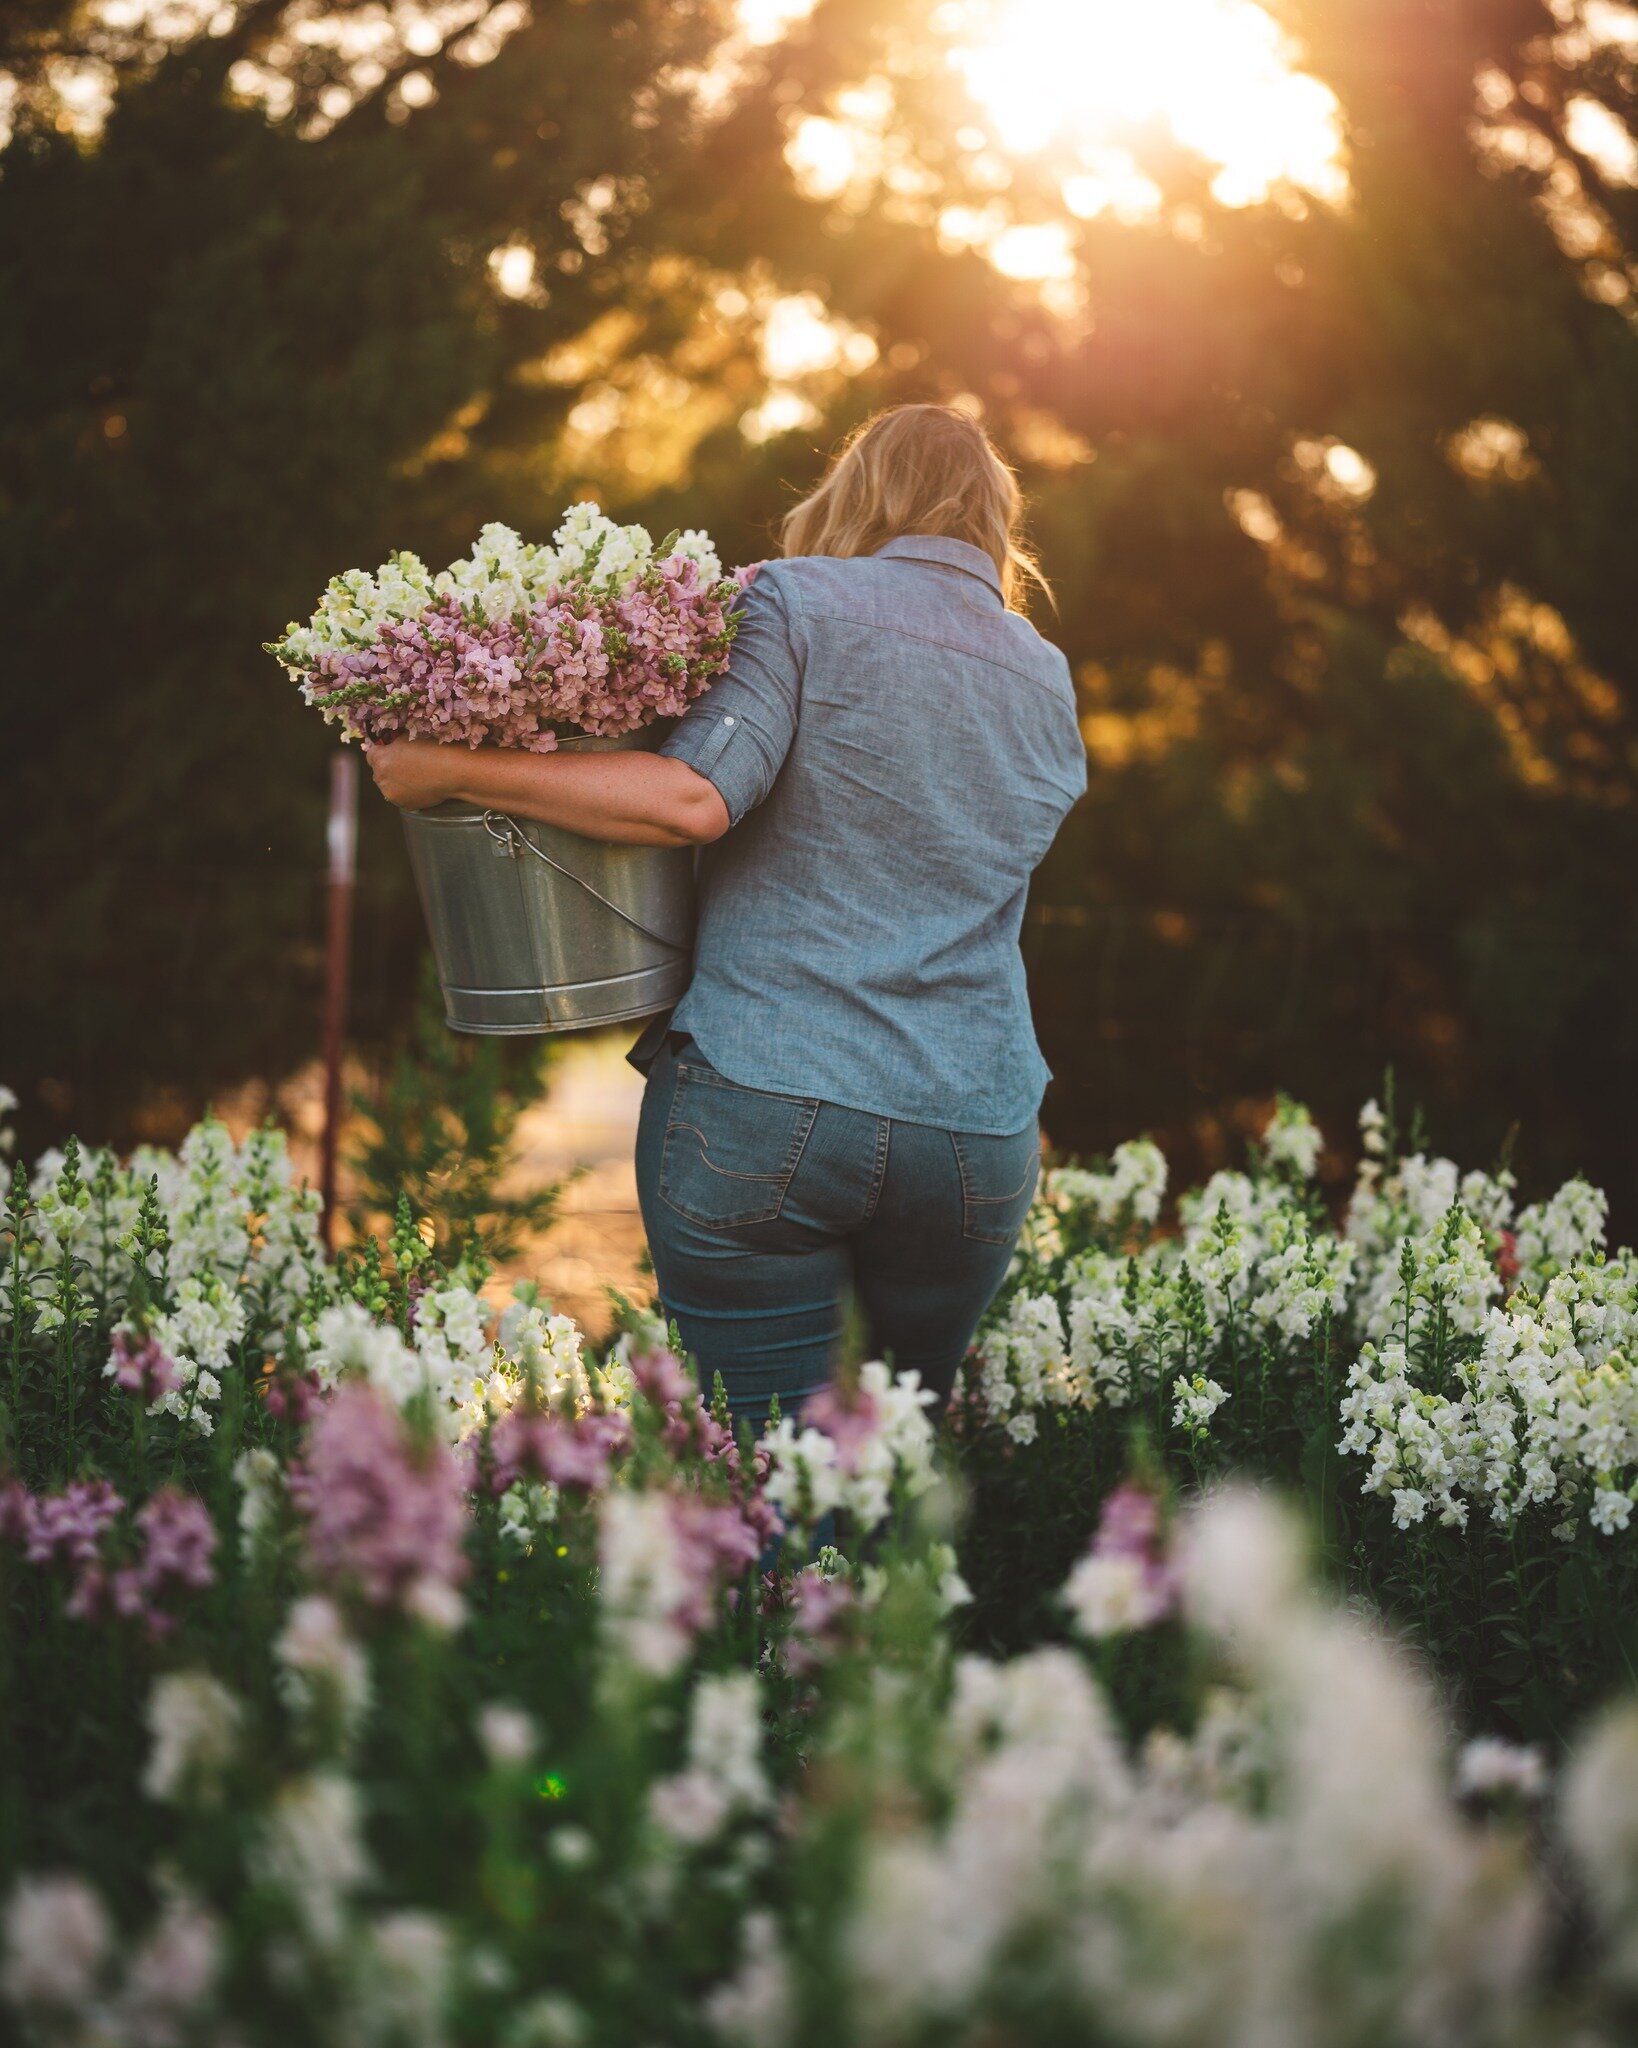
763 1211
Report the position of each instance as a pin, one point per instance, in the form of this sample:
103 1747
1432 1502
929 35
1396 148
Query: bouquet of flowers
602 632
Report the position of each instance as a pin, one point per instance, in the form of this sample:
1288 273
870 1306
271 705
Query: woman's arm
636 799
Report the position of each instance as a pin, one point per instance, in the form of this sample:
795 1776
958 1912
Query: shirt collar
951 554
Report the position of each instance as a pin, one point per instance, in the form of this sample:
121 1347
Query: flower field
383 1666
1446 1379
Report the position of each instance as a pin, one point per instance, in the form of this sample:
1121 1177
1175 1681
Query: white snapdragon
508 1736
1293 1140
723 1776
1131 1189
621 553
645 1587
525 1508
198 1336
1489 1767
1124 1323
348 1343
1599 1818
354 608
193 1730
892 1450
1453 1281
697 546
262 1494
54 1944
1195 1401
548 1351
404 1978
310 1850
323 1674
204 1202
1113 1594
1562 1232
458 1359
1023 1360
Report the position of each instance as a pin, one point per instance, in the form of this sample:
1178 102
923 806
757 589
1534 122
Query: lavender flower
385 1514
1125 1581
68 1527
140 1367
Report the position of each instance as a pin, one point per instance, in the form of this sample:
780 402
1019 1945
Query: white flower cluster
646 1584
1198 1890
501 578
1557 1234
1412 1204
1250 1257
1540 1412
193 1726
1491 1351
1195 1401
323 1673
812 1475
723 1777
1024 1365
238 1262
1293 1140
62 1973
547 1351
354 608
1130 1191
469 1366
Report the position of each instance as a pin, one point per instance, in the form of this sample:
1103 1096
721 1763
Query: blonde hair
918 469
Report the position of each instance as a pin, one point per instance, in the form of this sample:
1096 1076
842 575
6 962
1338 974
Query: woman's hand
415 774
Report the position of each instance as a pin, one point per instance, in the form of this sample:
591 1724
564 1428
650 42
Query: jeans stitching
778 1184
970 1222
884 1134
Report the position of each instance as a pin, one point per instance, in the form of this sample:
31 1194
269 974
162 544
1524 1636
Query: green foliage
440 1122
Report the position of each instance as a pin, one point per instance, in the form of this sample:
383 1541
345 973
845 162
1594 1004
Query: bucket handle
509 838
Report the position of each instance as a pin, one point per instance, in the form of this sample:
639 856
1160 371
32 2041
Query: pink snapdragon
691 1429
1126 1580
386 1514
68 1527
139 1367
178 1543
575 1453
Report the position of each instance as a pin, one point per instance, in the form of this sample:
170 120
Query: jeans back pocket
998 1177
730 1152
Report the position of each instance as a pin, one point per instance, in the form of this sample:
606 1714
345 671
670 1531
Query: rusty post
343 849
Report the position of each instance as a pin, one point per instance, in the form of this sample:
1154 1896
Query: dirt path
587 1119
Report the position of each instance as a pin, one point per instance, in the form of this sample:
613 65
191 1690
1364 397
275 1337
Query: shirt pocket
730 1152
998 1177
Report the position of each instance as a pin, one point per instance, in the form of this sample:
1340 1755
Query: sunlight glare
1220 74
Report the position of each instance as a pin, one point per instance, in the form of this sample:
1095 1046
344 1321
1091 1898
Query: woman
846 1096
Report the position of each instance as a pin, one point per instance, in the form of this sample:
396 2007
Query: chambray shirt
896 750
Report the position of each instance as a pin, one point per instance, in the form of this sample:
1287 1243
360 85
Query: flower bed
380 1668
1447 1376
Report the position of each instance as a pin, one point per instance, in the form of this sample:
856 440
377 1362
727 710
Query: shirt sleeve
738 734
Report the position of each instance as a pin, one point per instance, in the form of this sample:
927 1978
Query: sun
1080 76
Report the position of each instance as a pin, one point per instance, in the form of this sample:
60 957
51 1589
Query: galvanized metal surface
536 929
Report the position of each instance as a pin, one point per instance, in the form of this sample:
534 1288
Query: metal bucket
537 929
